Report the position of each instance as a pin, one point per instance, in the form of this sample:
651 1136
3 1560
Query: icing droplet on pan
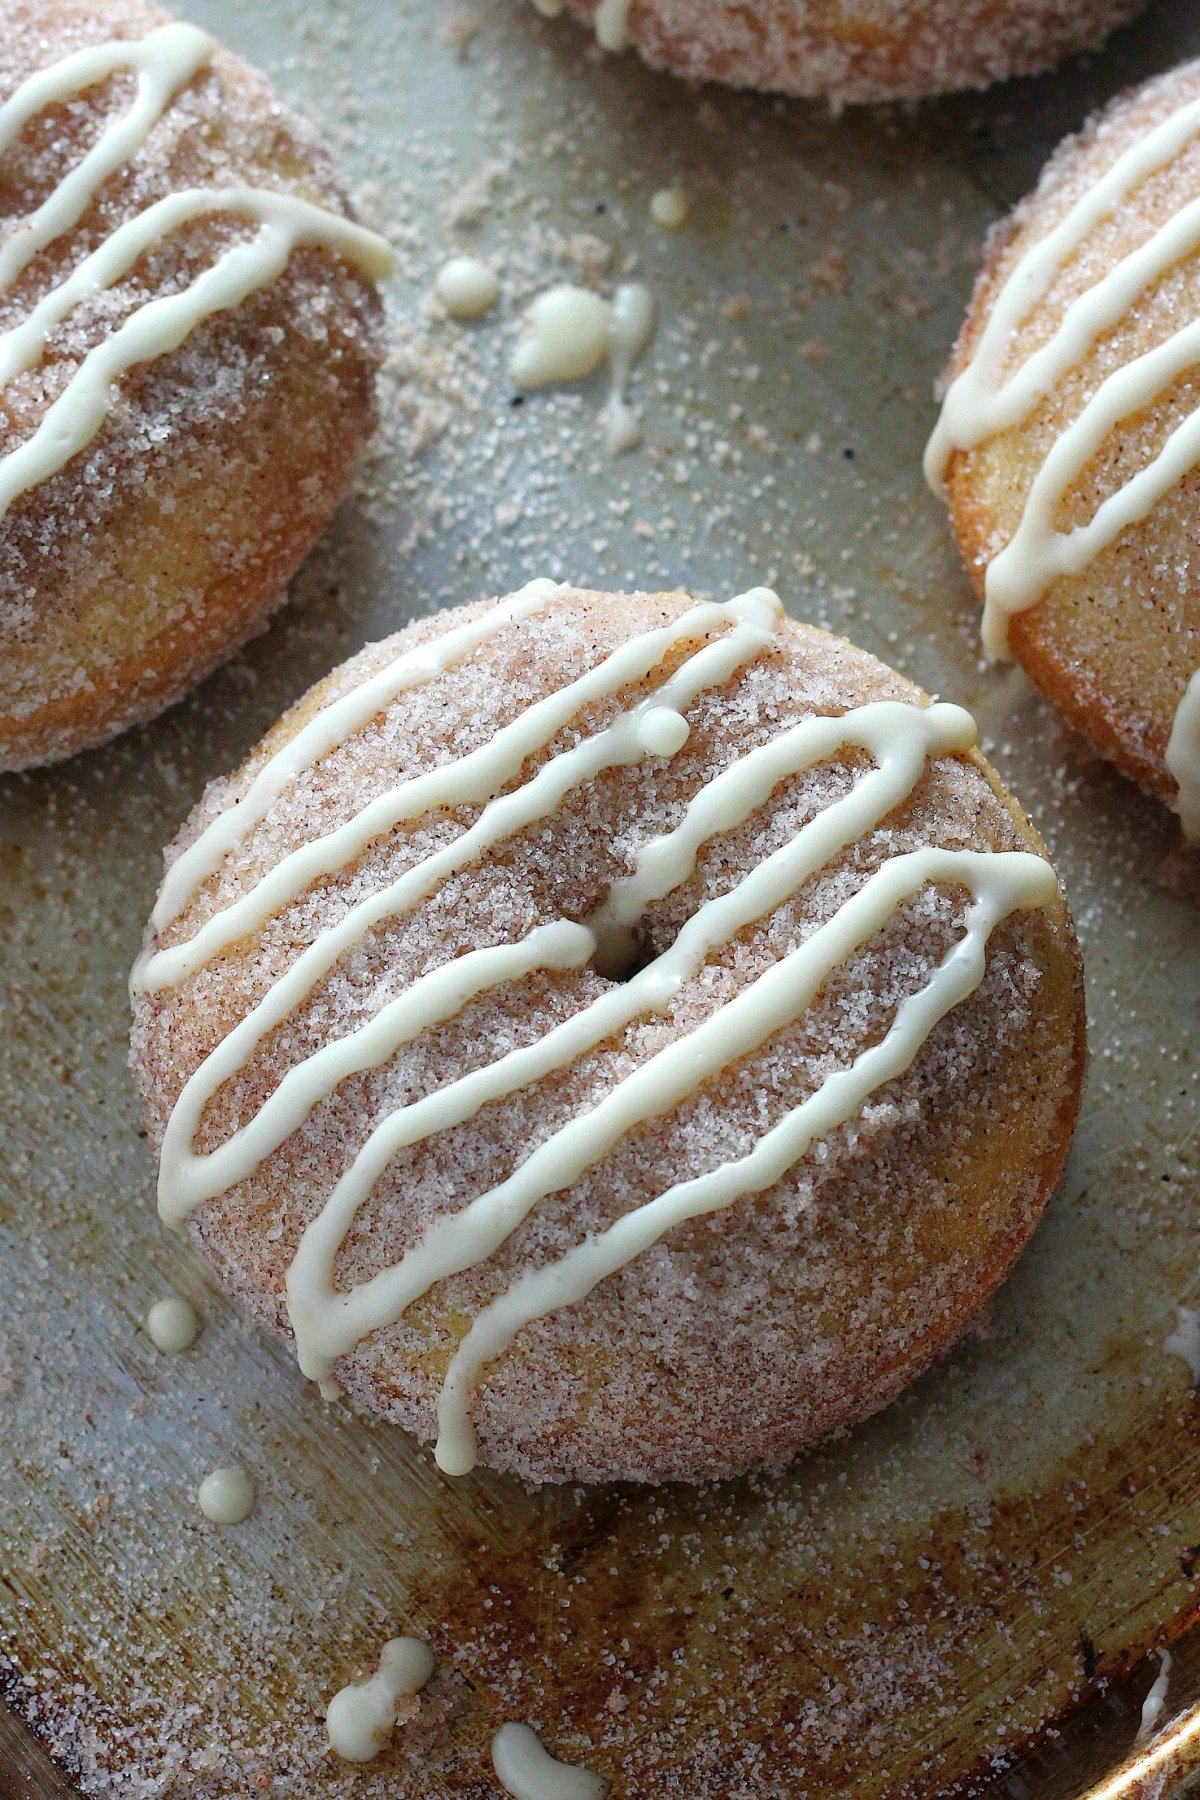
526 1770
565 337
173 1324
670 208
362 1716
467 287
226 1496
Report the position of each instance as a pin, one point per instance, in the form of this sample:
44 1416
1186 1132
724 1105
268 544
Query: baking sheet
901 1611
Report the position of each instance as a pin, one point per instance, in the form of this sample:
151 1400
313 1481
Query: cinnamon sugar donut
852 50
1069 442
614 1035
189 335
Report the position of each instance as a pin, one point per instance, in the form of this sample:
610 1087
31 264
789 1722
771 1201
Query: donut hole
621 953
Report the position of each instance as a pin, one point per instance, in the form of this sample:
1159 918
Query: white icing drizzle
1184 1341
979 404
328 1322
163 61
898 738
526 1770
362 1716
186 1179
999 885
1154 1705
226 1496
173 1325
328 728
475 777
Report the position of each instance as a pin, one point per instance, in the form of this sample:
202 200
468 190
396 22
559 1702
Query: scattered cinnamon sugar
830 271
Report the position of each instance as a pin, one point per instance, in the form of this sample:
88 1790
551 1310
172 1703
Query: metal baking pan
964 1595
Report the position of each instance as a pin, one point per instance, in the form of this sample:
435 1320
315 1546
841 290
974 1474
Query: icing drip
226 1496
526 1770
980 404
899 739
362 1716
611 21
163 62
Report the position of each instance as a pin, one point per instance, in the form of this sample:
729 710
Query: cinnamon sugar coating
853 53
165 543
740 1337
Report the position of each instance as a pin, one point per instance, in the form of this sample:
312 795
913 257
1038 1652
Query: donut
1068 445
853 50
190 330
614 1035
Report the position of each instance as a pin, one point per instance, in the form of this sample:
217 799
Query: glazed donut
853 50
616 1035
1069 440
189 335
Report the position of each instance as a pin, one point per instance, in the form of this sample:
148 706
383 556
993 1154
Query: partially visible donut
704 835
151 521
1069 442
852 51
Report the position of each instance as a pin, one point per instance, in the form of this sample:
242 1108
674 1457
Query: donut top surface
595 945
65 415
1086 341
